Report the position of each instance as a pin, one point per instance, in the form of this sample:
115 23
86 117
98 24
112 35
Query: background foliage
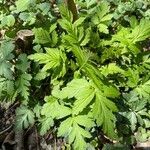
82 79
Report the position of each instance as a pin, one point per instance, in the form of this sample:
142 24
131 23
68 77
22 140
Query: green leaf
82 103
103 9
66 25
24 118
133 21
10 87
22 84
86 38
102 112
51 59
111 91
141 32
22 5
6 86
103 28
2 86
71 129
133 77
5 69
46 123
133 120
83 98
65 127
84 121
102 17
79 21
6 49
22 63
8 21
76 88
144 89
41 36
107 18
84 94
6 55
111 68
77 135
53 109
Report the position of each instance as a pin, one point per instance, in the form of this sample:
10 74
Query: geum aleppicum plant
88 96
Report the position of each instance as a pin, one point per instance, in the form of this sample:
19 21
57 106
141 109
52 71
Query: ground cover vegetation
78 71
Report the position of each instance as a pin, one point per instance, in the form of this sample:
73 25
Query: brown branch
72 7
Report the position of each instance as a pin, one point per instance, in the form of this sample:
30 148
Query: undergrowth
82 77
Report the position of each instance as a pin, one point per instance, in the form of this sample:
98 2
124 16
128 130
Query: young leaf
141 32
76 88
46 123
53 109
24 118
144 89
112 68
22 5
41 36
71 129
22 84
22 63
51 59
6 55
102 112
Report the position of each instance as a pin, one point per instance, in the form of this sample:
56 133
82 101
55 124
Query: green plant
81 77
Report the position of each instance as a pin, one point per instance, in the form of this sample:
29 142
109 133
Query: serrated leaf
41 36
111 91
133 120
84 121
65 127
65 24
133 77
6 55
22 5
22 63
76 88
144 89
133 21
107 18
24 118
6 48
46 123
8 21
75 134
79 21
102 112
37 110
53 109
103 28
10 87
112 68
22 84
5 69
84 101
86 38
2 85
6 86
141 32
51 59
